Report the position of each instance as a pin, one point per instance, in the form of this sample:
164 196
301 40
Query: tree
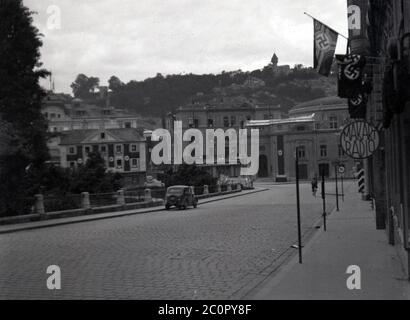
93 177
25 128
84 87
190 175
114 84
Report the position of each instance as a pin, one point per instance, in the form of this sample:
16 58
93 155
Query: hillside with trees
159 95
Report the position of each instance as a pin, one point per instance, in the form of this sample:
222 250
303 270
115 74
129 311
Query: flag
325 41
350 75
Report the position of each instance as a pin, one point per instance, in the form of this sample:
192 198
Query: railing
41 205
64 202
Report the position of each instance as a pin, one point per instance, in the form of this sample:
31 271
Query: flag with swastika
325 41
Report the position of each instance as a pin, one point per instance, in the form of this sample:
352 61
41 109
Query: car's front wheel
195 204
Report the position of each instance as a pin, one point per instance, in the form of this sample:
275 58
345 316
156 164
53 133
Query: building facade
385 42
64 113
123 150
222 113
313 129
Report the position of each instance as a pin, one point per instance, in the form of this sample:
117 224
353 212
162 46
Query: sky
136 39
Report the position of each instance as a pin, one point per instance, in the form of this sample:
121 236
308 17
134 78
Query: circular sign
127 158
359 139
342 169
80 161
111 159
280 153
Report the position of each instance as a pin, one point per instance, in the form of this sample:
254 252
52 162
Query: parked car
180 197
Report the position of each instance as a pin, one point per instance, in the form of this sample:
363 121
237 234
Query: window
59 116
233 121
301 152
72 164
133 148
102 135
87 149
52 115
333 122
248 118
103 149
210 123
127 125
134 163
242 124
193 123
301 128
323 151
119 163
226 121
118 148
71 150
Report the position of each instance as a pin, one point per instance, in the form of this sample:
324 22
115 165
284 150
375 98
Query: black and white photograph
204 155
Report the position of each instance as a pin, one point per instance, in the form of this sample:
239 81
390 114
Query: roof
92 111
322 104
269 122
74 137
180 186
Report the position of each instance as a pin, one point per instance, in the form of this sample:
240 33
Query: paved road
220 250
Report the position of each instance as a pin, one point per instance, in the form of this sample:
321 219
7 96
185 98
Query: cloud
136 39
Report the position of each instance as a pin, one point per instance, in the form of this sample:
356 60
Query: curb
289 261
239 194
107 216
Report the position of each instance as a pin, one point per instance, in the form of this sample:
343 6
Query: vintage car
180 197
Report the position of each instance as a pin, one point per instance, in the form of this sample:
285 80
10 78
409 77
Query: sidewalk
351 239
99 216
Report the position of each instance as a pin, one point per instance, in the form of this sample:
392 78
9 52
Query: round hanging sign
359 139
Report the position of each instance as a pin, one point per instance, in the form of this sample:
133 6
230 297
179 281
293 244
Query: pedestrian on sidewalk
314 185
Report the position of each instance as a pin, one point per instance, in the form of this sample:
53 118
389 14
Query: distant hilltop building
277 69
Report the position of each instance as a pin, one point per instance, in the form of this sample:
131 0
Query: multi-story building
123 150
222 112
384 39
313 129
64 113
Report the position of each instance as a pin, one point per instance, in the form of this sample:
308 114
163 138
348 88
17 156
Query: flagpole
326 25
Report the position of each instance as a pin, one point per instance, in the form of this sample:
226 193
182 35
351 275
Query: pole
326 26
337 190
298 207
343 190
324 199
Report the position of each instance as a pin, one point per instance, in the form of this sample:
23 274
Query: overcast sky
135 39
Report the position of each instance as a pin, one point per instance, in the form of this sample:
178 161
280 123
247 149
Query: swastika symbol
322 41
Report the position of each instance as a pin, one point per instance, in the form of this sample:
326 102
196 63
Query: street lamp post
298 205
324 198
337 188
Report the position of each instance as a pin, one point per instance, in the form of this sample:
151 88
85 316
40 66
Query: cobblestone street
217 251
